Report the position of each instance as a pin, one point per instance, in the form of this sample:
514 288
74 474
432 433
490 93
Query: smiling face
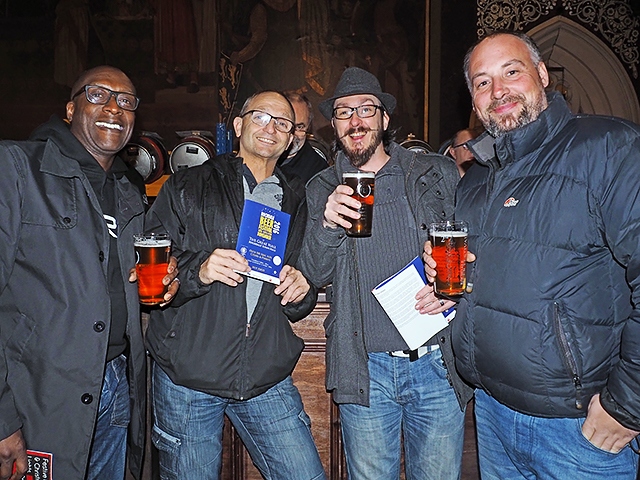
263 143
507 88
103 130
360 138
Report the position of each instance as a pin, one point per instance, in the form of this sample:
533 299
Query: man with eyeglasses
386 392
225 346
459 150
301 159
72 353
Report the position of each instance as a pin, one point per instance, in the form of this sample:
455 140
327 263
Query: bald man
72 359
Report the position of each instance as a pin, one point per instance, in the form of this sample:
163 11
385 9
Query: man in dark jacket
226 346
550 334
73 359
385 391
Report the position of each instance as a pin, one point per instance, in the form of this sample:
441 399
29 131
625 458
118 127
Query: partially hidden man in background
225 346
385 392
550 334
300 158
73 360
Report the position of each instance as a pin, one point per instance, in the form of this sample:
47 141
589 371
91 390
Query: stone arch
583 67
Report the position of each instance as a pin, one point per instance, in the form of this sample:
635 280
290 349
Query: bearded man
386 392
550 333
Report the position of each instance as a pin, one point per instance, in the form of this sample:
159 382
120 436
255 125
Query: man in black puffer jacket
550 334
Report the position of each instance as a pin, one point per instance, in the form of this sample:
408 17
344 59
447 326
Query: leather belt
414 355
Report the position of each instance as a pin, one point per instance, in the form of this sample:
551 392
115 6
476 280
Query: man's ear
237 126
71 106
543 74
385 121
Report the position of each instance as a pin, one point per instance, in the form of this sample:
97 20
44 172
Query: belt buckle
414 355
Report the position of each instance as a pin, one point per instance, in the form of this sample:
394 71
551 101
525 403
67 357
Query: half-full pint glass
449 242
363 184
152 260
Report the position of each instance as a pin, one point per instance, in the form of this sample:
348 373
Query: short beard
529 113
358 158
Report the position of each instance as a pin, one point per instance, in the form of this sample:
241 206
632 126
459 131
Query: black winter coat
201 340
55 308
554 218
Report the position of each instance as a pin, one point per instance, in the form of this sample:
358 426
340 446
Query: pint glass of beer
449 242
152 260
363 184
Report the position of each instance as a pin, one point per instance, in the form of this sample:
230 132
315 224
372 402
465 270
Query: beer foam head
358 175
152 242
445 233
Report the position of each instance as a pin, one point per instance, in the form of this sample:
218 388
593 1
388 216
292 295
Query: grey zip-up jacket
328 257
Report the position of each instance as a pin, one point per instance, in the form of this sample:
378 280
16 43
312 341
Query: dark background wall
384 36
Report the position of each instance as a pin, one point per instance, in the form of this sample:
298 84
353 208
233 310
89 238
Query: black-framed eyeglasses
301 127
102 95
463 145
262 119
363 111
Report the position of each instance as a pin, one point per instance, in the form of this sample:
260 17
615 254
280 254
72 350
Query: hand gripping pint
363 185
152 261
449 242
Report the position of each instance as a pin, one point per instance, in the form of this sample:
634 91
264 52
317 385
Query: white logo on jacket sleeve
511 202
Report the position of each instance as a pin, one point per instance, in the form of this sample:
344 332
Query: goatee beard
358 158
529 113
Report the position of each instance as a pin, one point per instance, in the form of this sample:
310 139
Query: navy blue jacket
554 216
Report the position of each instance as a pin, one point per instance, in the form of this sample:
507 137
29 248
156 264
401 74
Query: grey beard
361 157
530 112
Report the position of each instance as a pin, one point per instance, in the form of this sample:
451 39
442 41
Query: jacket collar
63 152
290 191
62 156
524 140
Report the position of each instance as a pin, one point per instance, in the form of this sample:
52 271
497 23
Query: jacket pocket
567 343
331 353
58 211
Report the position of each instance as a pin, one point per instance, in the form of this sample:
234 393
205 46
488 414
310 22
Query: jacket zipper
567 356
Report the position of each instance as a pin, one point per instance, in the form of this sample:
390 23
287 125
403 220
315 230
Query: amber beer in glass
152 260
449 242
363 184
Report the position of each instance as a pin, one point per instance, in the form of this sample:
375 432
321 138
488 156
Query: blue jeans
273 426
109 448
412 398
512 445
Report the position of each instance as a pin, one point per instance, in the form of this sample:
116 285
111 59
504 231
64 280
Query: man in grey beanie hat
386 392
